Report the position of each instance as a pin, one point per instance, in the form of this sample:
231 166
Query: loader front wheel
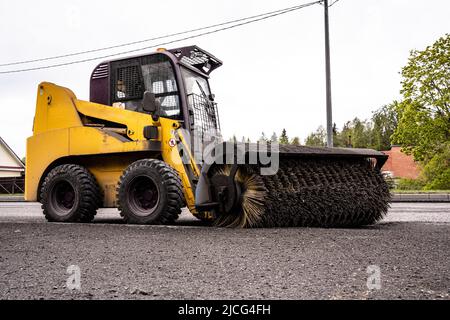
150 192
70 193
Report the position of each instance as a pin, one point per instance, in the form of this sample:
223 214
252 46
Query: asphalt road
410 248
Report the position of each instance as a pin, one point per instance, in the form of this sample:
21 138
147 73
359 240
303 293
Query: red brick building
401 165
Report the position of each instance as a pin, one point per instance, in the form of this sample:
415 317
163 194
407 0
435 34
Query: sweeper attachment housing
139 145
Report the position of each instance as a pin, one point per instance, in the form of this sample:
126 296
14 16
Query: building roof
20 164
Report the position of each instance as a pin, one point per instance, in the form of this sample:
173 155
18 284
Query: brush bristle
309 193
252 198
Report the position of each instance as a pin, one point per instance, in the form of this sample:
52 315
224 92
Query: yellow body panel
55 109
42 150
62 135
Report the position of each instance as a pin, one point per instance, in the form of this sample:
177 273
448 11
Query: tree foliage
374 133
284 139
361 132
384 121
317 138
436 172
424 113
295 141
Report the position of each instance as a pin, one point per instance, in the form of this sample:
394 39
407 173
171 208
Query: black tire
150 192
70 193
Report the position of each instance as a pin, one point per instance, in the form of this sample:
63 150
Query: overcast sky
273 72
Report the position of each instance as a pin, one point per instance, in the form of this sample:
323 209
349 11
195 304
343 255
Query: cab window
150 73
159 78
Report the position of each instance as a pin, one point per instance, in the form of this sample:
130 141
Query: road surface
405 256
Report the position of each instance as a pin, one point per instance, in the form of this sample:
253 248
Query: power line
268 14
332 3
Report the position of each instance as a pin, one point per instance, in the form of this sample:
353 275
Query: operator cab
177 78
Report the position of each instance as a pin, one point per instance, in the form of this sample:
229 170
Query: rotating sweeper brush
313 187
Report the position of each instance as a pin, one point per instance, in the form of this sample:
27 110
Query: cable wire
148 40
333 3
246 21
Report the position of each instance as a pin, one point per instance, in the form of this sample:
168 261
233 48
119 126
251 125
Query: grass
420 191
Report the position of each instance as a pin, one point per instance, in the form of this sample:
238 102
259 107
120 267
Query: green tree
355 133
424 113
345 136
337 139
374 133
384 122
284 139
317 138
436 172
295 141
361 133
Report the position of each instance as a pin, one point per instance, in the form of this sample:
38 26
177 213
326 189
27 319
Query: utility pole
328 78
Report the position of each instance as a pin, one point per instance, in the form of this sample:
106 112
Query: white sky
273 72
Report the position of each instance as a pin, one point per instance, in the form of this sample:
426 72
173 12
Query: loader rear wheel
150 192
70 193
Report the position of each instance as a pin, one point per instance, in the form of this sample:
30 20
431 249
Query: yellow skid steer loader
136 144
